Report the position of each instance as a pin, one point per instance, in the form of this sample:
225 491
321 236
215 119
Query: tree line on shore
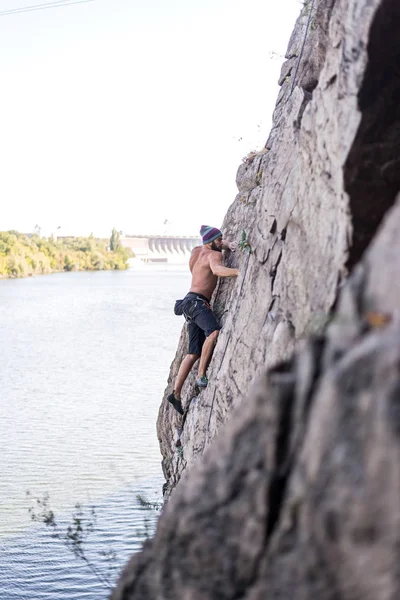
23 256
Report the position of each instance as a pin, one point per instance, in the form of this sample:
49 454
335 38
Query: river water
84 360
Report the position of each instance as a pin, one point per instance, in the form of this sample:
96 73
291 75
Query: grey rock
307 215
286 484
300 496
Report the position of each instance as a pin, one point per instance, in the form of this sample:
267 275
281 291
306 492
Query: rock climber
203 328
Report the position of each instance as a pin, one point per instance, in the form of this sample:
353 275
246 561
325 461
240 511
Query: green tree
115 241
21 256
68 263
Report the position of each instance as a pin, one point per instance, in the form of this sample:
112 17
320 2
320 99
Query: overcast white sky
128 113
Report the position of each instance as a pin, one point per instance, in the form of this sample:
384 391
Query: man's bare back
203 279
206 266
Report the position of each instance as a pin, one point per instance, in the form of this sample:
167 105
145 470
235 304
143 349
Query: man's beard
215 247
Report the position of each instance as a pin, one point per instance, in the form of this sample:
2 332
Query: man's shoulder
195 253
194 256
204 253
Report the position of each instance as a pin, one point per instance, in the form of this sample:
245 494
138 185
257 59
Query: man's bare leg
206 353
184 370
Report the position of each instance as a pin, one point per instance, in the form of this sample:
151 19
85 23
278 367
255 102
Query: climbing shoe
177 404
202 382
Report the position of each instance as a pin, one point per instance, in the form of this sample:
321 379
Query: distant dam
161 248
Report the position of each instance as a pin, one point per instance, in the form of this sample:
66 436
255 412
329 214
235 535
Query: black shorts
201 320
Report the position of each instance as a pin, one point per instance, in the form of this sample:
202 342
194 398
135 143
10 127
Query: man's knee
214 336
193 357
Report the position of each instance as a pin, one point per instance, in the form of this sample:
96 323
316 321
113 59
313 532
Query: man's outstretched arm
218 268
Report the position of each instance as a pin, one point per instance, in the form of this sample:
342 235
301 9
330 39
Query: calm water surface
83 366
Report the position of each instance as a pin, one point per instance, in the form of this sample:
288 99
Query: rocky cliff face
299 495
310 203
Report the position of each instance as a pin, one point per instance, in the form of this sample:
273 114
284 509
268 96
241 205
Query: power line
56 4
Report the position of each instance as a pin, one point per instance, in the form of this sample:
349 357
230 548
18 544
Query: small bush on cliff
249 158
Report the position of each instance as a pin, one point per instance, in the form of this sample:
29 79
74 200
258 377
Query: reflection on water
84 362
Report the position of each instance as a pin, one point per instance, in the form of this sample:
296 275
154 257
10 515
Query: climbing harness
179 308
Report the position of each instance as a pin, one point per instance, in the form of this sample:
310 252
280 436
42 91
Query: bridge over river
161 248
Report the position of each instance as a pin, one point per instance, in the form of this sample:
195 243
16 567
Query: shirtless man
206 266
